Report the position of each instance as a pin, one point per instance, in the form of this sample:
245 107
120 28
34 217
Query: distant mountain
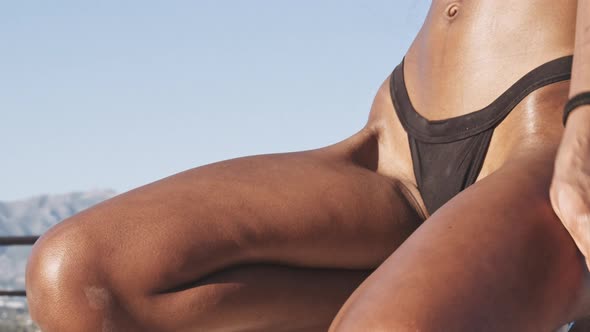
35 215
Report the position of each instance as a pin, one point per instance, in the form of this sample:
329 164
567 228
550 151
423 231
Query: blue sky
116 94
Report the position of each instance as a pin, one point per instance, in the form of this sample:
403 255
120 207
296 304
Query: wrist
579 117
574 103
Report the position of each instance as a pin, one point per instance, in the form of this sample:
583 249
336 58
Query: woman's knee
79 279
66 289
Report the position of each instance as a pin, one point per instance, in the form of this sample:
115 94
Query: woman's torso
466 55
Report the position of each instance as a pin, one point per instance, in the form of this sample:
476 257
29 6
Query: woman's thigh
494 258
325 208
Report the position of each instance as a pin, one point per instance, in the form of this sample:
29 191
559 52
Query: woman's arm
570 189
581 68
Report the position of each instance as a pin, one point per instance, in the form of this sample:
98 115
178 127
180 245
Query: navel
452 10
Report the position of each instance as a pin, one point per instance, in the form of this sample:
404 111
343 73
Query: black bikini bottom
448 154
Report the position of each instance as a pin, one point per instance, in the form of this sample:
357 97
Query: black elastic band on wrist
575 102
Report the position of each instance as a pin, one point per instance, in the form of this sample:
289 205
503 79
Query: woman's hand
570 188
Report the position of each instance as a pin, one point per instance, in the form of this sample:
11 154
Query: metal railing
16 241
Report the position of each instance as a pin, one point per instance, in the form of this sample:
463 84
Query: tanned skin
280 242
495 257
570 189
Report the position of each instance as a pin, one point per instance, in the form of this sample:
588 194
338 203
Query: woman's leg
494 258
184 252
260 297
